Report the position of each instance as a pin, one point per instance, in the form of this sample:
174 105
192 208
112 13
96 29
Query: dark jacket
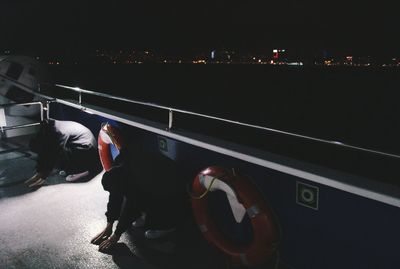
123 201
143 182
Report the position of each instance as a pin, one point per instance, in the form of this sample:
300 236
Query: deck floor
51 227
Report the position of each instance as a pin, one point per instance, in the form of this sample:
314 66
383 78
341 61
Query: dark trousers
76 160
72 160
163 210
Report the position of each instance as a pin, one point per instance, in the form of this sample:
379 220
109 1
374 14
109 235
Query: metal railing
5 106
171 111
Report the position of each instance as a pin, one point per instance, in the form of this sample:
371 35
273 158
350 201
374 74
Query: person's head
113 181
39 141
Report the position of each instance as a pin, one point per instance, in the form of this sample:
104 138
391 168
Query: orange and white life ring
241 190
108 135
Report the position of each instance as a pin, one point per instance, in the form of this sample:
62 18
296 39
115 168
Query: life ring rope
201 196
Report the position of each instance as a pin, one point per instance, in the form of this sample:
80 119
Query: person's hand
109 243
104 235
34 178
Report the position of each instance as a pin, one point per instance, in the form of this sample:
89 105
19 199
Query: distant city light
279 57
295 63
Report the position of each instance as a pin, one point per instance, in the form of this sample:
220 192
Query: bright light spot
295 63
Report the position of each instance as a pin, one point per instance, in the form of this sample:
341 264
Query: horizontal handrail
25 104
6 128
171 109
20 104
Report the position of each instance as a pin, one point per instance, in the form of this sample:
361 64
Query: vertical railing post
41 111
80 98
47 110
170 120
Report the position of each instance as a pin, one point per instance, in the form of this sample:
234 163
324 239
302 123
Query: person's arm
114 207
130 212
113 211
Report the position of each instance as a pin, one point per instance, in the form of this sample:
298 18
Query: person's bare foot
37 183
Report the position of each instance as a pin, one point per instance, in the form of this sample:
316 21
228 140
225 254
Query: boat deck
51 227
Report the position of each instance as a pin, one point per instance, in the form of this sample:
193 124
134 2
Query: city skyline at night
277 56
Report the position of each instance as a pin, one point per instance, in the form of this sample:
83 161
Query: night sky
59 26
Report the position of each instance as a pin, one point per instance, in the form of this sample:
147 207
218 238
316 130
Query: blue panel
347 231
114 151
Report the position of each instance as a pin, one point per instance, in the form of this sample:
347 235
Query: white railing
5 106
171 111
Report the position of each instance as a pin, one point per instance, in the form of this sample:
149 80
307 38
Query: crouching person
123 205
66 145
144 189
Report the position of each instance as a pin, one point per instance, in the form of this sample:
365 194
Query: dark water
352 105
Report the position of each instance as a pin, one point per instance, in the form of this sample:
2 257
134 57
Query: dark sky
195 25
